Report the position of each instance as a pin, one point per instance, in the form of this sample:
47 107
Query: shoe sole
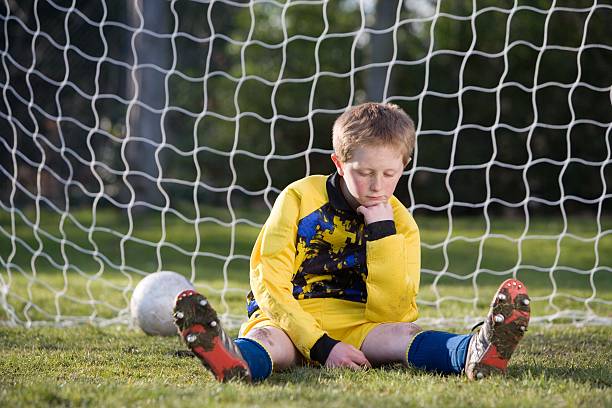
512 302
200 328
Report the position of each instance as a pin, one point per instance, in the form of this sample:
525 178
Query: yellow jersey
314 245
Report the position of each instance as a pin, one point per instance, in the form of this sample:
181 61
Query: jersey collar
334 193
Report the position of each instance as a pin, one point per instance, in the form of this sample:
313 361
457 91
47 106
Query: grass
559 366
50 279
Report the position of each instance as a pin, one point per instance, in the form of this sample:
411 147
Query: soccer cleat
492 345
198 325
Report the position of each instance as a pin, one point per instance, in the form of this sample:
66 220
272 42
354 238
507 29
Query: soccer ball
153 300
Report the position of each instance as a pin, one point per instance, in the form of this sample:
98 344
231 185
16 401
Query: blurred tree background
137 102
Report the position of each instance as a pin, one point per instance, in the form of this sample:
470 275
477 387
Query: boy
335 274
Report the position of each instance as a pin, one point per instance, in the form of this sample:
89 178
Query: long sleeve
394 272
273 263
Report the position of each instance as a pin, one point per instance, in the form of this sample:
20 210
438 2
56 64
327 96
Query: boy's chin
371 203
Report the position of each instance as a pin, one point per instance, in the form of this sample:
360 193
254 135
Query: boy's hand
345 355
376 212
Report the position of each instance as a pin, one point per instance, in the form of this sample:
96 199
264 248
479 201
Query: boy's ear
339 165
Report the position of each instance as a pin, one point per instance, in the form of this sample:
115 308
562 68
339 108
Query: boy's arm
393 259
272 266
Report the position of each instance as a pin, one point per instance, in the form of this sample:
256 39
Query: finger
360 209
357 353
363 361
336 364
359 358
366 364
354 366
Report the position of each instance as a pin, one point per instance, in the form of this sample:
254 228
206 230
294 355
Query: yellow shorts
342 319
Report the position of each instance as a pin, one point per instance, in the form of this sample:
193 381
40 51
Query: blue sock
256 356
440 352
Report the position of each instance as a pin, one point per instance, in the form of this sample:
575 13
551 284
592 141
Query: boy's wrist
321 349
380 229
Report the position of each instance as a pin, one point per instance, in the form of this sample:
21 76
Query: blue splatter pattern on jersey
332 244
331 248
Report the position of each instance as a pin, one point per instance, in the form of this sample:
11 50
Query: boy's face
371 175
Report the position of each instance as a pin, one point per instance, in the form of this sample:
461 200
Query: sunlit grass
54 275
88 366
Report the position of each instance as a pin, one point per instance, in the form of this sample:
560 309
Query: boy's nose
376 184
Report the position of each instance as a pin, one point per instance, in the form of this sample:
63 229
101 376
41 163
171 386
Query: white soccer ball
153 300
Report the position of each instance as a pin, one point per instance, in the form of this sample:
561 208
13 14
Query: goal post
155 135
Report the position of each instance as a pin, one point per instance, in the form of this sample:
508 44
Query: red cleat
492 346
199 326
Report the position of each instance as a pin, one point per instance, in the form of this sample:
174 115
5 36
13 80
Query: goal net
138 137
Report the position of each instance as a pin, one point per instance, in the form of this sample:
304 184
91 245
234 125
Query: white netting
145 136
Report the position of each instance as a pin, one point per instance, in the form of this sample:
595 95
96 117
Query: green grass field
562 366
557 365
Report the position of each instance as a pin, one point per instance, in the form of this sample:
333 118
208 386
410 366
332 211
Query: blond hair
378 124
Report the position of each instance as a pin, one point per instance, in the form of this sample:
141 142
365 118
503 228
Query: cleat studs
514 283
520 286
179 315
203 302
479 375
213 324
499 318
523 328
526 302
501 296
191 338
509 284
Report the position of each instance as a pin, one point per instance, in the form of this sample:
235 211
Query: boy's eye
389 174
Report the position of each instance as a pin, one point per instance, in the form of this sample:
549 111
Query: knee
262 334
277 343
266 338
412 329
